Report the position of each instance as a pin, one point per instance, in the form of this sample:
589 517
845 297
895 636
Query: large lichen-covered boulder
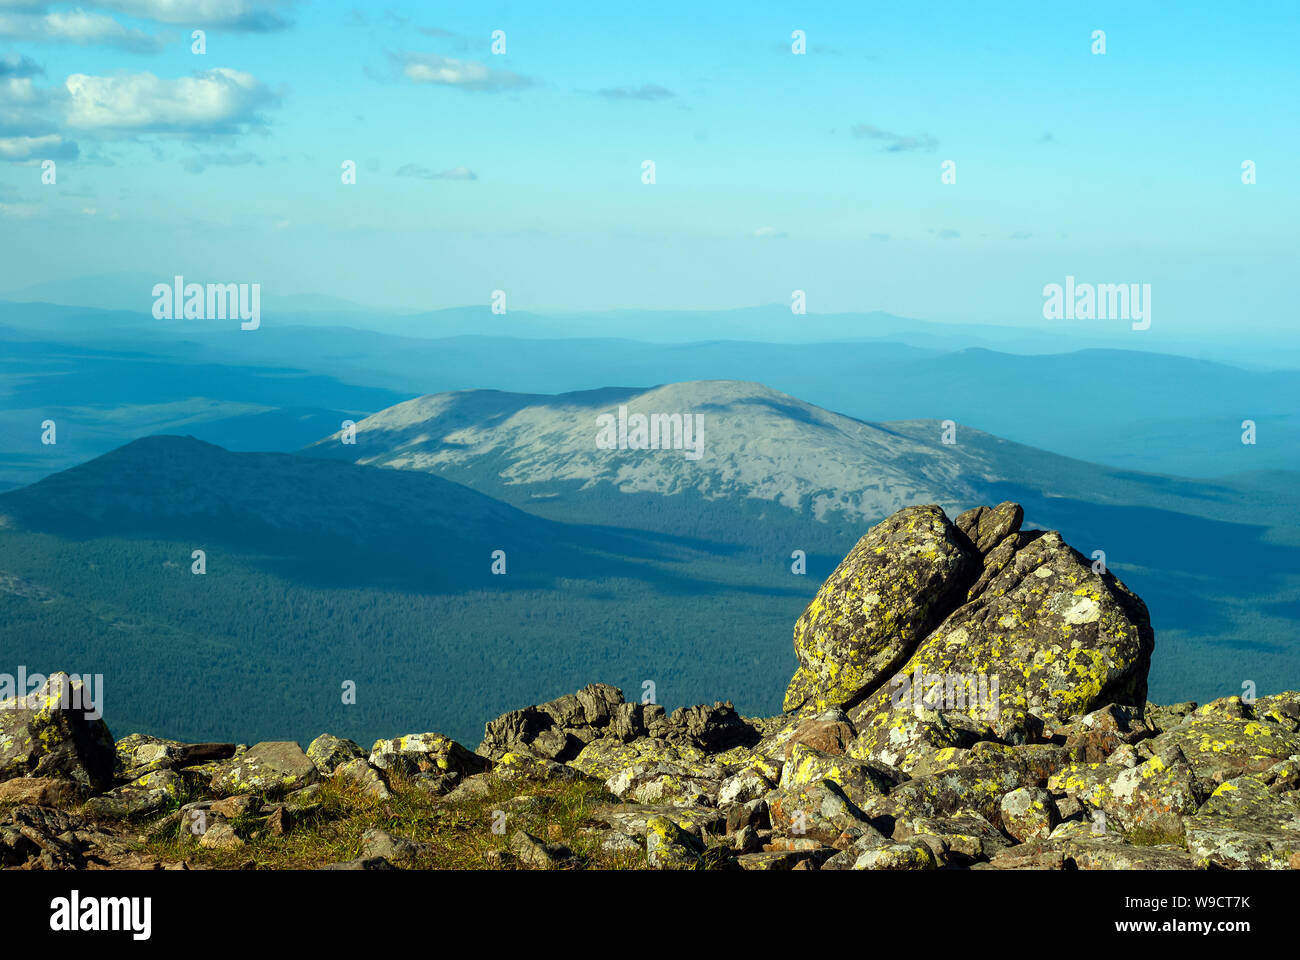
1046 640
273 768
53 732
892 589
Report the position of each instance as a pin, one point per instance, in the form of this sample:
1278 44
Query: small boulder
437 761
41 791
669 847
397 850
1029 813
361 774
272 768
531 852
141 797
329 753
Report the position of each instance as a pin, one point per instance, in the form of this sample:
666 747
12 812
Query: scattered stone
1029 813
915 855
818 810
397 850
986 527
329 753
860 781
669 847
141 797
364 776
780 859
272 769
361 863
531 852
437 763
220 835
40 791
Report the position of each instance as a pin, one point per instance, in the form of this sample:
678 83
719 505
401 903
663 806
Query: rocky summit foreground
968 695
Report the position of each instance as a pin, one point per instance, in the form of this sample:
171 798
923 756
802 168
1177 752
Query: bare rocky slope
969 695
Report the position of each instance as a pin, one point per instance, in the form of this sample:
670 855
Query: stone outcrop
53 733
968 694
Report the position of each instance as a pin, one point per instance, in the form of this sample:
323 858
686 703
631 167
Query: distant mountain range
111 383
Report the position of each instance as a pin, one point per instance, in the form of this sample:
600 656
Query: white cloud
49 147
241 15
27 109
80 28
214 102
228 14
464 74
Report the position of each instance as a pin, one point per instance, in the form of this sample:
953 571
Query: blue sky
774 172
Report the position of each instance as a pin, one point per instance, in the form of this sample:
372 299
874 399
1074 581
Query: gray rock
47 734
360 773
329 753
397 850
361 863
531 852
272 768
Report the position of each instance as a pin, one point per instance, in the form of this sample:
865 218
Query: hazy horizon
520 168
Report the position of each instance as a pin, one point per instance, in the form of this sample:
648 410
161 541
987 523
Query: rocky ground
969 695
